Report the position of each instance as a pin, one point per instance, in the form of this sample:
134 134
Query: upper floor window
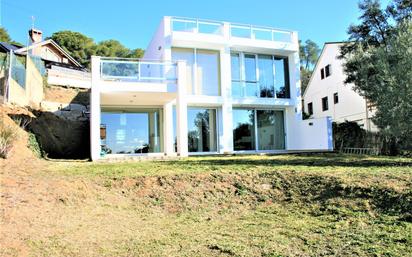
325 105
326 71
310 108
202 70
335 98
256 75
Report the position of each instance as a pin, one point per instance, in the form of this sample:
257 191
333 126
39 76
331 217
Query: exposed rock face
60 137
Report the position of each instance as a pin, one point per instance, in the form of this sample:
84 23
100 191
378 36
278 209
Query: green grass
286 205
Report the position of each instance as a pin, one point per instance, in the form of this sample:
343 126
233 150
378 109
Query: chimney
36 35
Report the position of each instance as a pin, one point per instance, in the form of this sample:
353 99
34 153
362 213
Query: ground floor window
202 134
201 129
131 131
258 130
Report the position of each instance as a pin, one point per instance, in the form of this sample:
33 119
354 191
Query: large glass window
201 130
258 130
250 75
207 72
266 79
202 65
181 54
237 88
282 78
244 130
259 76
271 134
131 132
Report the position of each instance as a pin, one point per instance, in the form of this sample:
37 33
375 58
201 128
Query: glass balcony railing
260 33
197 26
129 70
236 30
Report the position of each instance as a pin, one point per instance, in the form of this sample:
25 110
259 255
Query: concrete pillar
225 115
181 110
95 142
168 129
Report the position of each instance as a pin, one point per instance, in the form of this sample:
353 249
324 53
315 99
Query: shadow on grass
320 160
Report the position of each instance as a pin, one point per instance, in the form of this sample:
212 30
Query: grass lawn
283 205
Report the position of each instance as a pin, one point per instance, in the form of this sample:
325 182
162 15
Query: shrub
34 145
7 137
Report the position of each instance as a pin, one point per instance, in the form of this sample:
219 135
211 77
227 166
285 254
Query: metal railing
197 26
236 30
133 70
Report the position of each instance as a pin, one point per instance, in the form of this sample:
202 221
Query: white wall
313 134
351 106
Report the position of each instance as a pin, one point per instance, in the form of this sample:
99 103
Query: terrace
184 30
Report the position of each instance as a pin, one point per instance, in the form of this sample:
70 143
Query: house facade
327 95
204 87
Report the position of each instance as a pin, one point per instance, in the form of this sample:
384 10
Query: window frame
325 104
243 80
328 70
310 108
335 98
255 129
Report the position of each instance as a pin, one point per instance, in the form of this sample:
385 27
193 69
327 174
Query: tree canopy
309 54
4 35
378 62
82 47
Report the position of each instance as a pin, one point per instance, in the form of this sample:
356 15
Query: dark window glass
335 98
310 108
325 105
201 124
328 70
322 73
244 130
270 130
266 79
282 77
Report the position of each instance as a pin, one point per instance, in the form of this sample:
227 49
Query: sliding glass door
260 130
131 131
244 130
270 130
201 130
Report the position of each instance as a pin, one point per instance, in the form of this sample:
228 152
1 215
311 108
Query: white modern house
204 87
327 95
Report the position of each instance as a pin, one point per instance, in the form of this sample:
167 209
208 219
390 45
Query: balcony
133 70
229 32
111 75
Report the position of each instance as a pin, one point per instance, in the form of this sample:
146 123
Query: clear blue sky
134 22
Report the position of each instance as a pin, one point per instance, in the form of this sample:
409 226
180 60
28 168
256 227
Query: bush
34 145
7 137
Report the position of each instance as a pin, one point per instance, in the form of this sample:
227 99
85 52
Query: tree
378 61
82 47
78 45
4 35
309 54
112 48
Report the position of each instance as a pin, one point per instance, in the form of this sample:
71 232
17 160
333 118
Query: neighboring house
216 88
327 95
24 69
